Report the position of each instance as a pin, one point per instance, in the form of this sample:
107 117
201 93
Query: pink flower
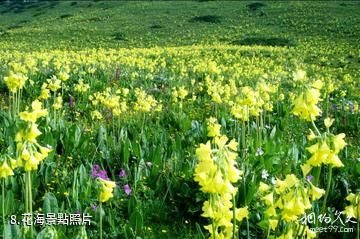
71 102
122 173
127 189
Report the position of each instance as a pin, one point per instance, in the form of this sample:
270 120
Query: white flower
259 152
264 174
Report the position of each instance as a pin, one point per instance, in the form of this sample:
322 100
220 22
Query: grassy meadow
180 119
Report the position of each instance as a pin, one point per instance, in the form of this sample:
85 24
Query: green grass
330 27
93 24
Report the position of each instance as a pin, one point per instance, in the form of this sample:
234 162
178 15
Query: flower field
190 120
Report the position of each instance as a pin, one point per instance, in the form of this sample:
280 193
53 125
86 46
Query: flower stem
101 220
327 190
28 178
3 206
234 218
358 220
316 129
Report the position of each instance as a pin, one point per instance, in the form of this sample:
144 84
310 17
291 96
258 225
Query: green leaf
12 231
136 221
200 234
50 204
48 233
82 234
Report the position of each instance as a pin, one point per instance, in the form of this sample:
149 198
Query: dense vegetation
181 119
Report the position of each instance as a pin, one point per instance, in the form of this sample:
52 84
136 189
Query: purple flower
71 102
127 189
93 207
95 173
102 174
334 107
122 173
309 177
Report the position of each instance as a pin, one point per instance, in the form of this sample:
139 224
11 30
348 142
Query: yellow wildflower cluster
286 201
107 188
58 103
305 105
45 92
5 169
145 102
353 210
63 75
251 102
243 102
215 173
213 127
112 101
325 150
15 82
30 153
53 84
81 87
179 93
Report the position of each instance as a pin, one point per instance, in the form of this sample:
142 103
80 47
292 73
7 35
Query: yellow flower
233 145
241 213
221 141
305 105
33 133
213 127
5 170
107 190
58 103
305 168
328 122
350 211
273 223
182 92
44 94
15 82
263 187
339 143
315 192
268 199
291 180
281 97
299 75
204 152
31 164
64 76
350 197
334 160
96 115
25 155
288 235
311 136
270 211
318 84
353 210
37 112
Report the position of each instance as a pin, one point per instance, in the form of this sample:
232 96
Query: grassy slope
144 24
